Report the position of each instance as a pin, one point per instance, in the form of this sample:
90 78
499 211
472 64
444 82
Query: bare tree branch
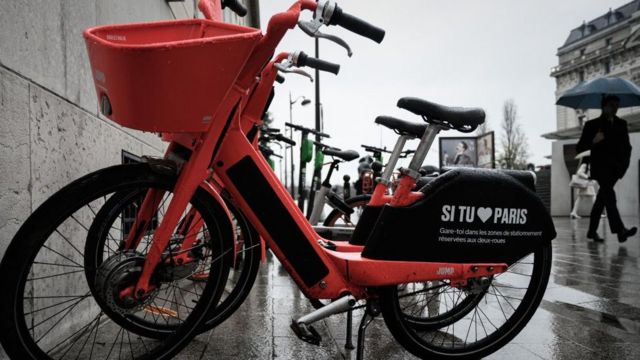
515 148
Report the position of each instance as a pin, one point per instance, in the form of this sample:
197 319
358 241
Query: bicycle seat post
385 178
327 179
423 149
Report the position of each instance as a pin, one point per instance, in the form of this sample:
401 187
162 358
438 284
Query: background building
51 131
608 45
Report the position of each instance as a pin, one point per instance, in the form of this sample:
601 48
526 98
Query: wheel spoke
69 242
55 275
55 252
70 307
69 337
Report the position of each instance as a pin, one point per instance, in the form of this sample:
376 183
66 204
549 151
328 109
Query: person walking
608 139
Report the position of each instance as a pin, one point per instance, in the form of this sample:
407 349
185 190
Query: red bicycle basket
168 76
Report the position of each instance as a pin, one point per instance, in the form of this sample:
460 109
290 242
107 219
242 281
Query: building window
608 42
583 51
581 75
607 67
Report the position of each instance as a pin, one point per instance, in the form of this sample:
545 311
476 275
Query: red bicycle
145 250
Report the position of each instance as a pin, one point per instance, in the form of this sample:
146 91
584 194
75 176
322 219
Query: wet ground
591 310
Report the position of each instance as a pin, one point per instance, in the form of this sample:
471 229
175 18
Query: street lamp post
304 102
315 179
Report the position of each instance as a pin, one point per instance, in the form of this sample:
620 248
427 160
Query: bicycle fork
193 173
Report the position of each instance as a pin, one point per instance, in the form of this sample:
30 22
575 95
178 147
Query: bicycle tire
248 274
441 319
353 202
415 342
25 247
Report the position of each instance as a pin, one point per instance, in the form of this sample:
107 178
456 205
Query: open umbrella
588 94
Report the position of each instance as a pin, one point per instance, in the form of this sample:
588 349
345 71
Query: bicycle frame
320 198
226 153
325 195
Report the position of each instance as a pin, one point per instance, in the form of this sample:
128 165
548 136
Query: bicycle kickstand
349 341
372 311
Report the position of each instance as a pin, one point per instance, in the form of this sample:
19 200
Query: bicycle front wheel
61 291
243 268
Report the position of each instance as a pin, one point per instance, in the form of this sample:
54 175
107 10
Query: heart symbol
484 213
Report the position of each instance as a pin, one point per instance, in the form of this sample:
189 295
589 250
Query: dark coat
610 157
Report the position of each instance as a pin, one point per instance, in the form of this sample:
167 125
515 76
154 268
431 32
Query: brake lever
312 28
285 67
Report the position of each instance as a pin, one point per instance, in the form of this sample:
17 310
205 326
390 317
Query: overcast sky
457 53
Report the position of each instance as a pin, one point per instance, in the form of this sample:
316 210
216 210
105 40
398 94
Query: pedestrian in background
608 139
582 182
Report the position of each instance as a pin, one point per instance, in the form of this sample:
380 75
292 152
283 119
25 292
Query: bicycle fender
466 215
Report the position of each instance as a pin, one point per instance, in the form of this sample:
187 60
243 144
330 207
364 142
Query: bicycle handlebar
375 149
306 60
268 152
235 6
356 25
304 129
284 139
406 153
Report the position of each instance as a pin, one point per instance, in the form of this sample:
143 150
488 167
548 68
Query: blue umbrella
588 94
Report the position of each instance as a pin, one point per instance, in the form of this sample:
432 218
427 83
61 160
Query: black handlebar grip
307 130
279 79
356 25
321 134
284 139
265 150
306 60
235 6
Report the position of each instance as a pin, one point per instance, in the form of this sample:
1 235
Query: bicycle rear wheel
509 301
432 305
51 305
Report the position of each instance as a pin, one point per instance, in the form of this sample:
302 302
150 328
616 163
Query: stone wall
51 131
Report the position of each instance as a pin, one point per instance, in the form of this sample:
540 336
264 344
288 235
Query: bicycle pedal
306 333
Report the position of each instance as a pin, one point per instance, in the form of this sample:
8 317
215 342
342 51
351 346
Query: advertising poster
486 151
468 151
458 152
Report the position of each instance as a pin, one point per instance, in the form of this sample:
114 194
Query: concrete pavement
591 310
